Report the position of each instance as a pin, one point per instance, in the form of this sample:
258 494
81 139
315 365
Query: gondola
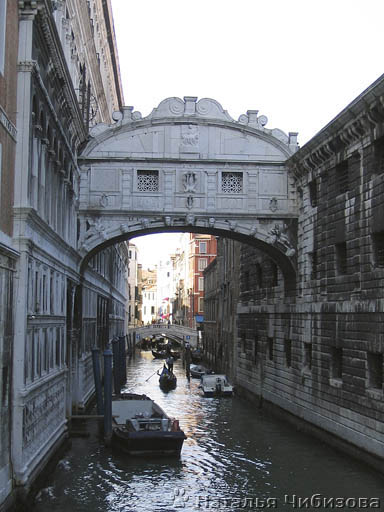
141 427
167 379
159 354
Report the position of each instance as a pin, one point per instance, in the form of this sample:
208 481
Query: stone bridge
189 167
175 332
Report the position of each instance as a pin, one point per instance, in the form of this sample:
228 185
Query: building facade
318 355
149 296
59 72
8 253
202 250
133 317
221 294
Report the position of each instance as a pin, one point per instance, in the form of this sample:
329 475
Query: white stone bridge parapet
189 166
176 332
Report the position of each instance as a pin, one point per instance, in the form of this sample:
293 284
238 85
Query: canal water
236 457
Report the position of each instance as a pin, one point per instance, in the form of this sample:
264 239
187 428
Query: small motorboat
215 385
141 427
197 370
167 379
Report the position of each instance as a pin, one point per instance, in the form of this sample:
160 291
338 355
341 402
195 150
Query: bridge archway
189 167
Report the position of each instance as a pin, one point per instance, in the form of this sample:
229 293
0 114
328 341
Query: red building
202 250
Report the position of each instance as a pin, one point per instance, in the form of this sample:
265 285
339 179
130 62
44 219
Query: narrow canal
236 457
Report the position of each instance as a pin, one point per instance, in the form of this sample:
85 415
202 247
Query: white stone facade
62 90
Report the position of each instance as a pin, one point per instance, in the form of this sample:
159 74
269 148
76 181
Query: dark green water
236 457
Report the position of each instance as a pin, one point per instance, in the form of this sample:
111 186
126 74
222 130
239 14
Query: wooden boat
141 427
167 379
163 354
159 354
215 385
197 370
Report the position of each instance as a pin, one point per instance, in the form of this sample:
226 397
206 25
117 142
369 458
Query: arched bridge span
189 166
173 331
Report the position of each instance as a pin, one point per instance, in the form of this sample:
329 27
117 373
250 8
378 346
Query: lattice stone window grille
148 181
232 182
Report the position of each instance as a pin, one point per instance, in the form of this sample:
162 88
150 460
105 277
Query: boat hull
148 443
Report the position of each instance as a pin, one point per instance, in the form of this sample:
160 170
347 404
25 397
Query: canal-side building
318 355
8 253
149 295
133 317
67 80
202 250
221 293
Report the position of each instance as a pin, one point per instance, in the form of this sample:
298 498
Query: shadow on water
234 453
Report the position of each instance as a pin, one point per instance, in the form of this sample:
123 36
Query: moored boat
167 379
141 427
197 370
216 385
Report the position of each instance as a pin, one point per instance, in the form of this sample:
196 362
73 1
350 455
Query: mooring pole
97 379
116 366
107 395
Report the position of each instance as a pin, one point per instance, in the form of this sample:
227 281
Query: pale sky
298 62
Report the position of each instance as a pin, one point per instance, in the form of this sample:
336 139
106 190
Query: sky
298 62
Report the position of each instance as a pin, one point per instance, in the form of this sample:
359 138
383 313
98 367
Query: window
202 264
3 20
232 182
288 352
259 275
341 257
312 186
201 304
313 264
148 181
201 284
378 248
270 348
308 356
202 247
375 370
152 310
336 363
342 179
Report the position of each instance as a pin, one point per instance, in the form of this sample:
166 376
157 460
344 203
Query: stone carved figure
211 222
273 204
190 219
103 201
189 202
278 236
189 181
168 221
190 136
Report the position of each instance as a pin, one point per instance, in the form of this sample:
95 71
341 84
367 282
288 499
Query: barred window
232 182
148 181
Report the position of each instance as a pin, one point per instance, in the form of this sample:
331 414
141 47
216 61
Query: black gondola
167 379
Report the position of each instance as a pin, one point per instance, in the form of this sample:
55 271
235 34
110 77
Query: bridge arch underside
268 241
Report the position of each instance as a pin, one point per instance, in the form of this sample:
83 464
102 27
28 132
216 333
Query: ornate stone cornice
59 65
363 118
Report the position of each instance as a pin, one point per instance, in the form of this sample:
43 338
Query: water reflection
233 451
